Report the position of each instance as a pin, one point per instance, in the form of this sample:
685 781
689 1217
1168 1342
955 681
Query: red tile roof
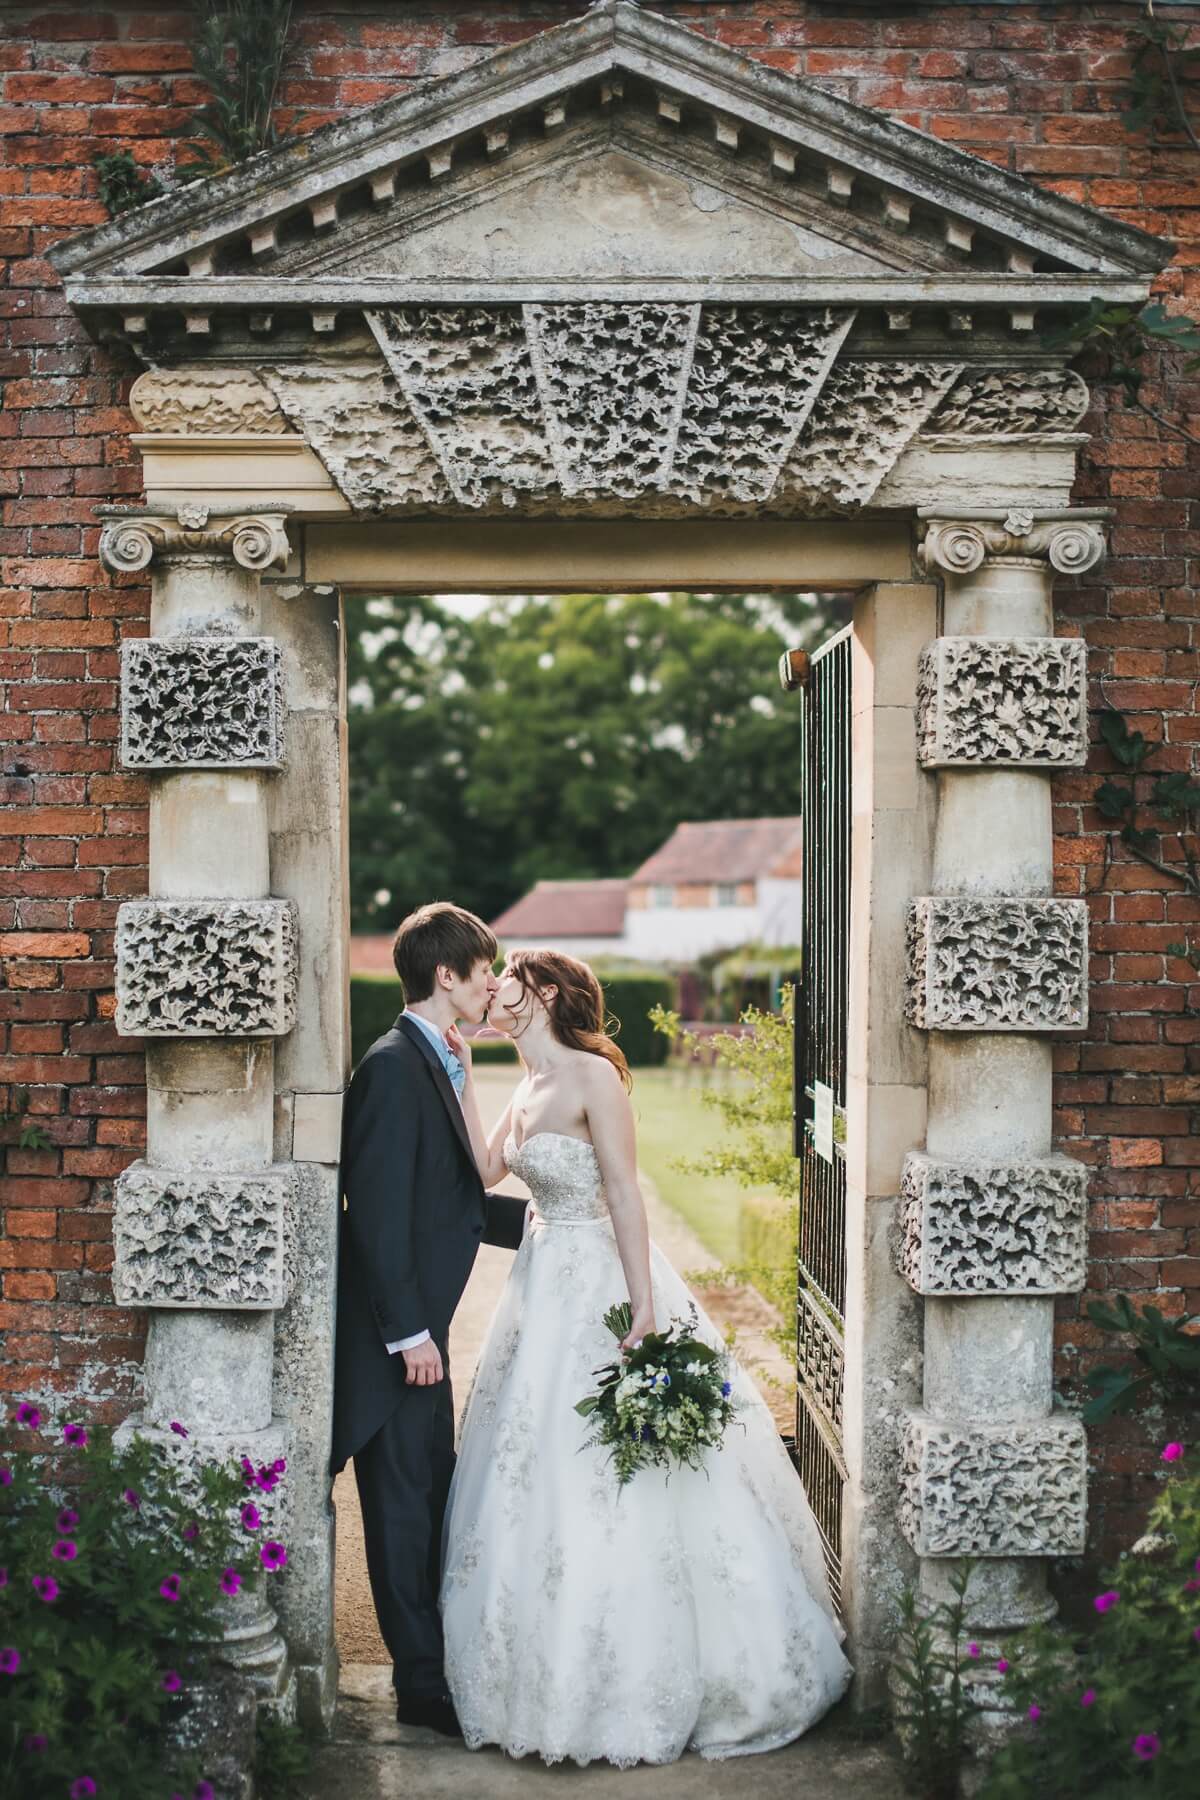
724 850
565 909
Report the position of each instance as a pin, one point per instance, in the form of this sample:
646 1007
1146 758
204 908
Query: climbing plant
239 50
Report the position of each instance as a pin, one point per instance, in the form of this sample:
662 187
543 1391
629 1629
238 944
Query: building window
727 894
662 896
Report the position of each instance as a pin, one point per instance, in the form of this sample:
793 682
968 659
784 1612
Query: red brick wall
1037 90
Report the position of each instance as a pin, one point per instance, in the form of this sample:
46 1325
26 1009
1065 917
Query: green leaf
1130 748
1112 800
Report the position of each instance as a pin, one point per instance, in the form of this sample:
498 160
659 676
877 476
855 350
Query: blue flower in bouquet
726 1389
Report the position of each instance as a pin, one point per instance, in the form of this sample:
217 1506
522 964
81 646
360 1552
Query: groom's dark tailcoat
414 1215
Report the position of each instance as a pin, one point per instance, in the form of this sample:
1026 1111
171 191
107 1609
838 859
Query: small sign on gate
823 1120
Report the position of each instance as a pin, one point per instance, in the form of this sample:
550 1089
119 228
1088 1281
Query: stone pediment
620 156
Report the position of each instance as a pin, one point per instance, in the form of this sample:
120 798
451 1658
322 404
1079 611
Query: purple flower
1105 1602
84 1788
66 1520
46 1588
1146 1746
34 1741
1171 1453
6 1475
178 1429
190 1531
131 1497
28 1414
1035 1712
203 1790
3 1578
266 1480
273 1555
973 1651
170 1588
171 1681
1196 1634
1001 1667
1088 1697
726 1389
280 1465
251 1517
75 1434
66 1550
10 1661
230 1581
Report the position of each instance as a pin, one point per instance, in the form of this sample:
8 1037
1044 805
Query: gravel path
740 1309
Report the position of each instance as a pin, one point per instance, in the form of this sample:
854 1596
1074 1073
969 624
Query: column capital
1070 540
132 538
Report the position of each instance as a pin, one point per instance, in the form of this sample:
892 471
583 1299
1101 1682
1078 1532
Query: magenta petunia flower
1088 1697
171 1681
1172 1453
1192 1586
1196 1634
28 1414
84 1788
1105 1602
1146 1746
6 1475
280 1465
1035 1712
251 1517
170 1588
131 1497
10 1660
46 1588
973 1652
230 1581
34 1741
1001 1667
266 1480
66 1520
75 1434
178 1429
66 1550
3 1578
203 1790
273 1555
190 1531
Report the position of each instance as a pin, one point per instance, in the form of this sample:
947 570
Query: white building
714 885
584 918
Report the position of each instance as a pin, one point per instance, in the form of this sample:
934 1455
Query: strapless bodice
563 1175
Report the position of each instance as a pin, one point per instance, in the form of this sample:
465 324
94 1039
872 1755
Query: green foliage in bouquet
1117 1713
663 1403
114 1567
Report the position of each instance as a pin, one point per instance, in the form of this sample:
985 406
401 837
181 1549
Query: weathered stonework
864 416
201 703
1012 1489
205 402
997 965
256 541
355 417
1017 1227
1003 702
1012 402
196 968
1072 545
204 1239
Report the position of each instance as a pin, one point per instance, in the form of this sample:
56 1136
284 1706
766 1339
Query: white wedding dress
583 1620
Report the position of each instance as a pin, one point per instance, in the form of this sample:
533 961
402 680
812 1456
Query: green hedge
375 1001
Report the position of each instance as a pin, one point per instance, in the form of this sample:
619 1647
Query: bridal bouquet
662 1404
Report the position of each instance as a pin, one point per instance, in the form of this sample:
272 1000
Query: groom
413 1216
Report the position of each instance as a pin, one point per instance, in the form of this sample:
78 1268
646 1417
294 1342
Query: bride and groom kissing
525 1598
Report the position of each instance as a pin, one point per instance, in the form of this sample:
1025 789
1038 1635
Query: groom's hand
423 1366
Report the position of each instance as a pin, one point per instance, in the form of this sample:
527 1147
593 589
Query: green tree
558 736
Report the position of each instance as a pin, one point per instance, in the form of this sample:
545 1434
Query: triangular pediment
620 153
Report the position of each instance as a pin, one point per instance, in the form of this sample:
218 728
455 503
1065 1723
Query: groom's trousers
403 1476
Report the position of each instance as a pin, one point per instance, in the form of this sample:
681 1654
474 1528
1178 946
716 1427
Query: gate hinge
794 667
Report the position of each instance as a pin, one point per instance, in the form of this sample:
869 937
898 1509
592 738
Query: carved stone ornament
206 968
960 546
1015 1227
1011 1489
1014 402
997 964
1002 702
204 1239
203 402
201 703
256 541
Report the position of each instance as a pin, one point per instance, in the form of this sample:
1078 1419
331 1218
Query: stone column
993 1223
206 976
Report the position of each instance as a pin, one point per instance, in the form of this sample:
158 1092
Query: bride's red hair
577 1015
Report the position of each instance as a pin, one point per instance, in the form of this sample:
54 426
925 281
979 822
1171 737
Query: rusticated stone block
1016 1227
206 968
204 1239
1002 702
1010 1489
997 965
201 703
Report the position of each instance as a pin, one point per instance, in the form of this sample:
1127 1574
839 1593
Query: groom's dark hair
436 934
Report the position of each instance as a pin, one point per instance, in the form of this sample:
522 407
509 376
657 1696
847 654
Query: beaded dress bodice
563 1175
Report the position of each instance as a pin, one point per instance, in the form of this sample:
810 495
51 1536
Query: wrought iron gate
820 1091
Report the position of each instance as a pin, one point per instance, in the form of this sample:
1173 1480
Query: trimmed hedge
376 1000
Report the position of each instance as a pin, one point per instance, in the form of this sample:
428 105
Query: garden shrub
630 999
115 1564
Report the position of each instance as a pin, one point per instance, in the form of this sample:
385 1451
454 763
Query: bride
583 1620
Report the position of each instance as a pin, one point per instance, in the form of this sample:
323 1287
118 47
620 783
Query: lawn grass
673 1121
